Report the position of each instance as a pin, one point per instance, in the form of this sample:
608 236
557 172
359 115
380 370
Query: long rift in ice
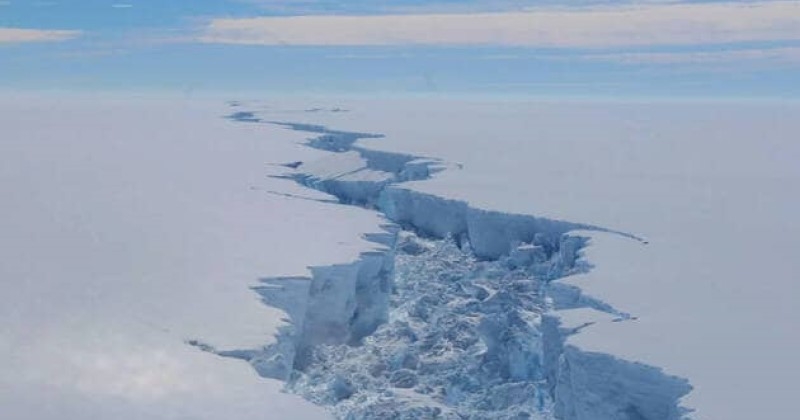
454 314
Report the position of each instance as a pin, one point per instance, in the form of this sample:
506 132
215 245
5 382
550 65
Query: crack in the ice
346 317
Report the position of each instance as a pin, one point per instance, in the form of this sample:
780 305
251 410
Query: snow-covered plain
133 226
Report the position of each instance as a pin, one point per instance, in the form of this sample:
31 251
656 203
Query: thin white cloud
121 6
586 27
18 35
788 56
773 56
311 7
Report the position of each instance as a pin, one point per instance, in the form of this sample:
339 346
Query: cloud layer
17 35
786 56
586 27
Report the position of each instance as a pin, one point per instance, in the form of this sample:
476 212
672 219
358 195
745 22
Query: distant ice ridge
457 313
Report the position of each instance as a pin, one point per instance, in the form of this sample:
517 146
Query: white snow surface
131 226
711 186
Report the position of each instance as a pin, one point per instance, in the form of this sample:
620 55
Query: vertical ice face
425 213
457 315
595 386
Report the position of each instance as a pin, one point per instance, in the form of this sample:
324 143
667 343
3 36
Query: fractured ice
454 315
462 340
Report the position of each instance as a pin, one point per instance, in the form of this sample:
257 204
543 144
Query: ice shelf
456 313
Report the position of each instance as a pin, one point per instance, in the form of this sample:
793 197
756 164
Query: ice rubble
462 334
457 313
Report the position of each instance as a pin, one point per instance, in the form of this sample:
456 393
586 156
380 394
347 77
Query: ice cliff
456 313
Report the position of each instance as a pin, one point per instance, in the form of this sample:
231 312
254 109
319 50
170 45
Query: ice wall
596 386
476 331
338 304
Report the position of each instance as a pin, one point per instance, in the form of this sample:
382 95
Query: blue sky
543 48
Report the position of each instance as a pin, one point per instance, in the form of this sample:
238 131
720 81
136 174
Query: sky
585 48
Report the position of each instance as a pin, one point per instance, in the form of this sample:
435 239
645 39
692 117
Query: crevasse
455 314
